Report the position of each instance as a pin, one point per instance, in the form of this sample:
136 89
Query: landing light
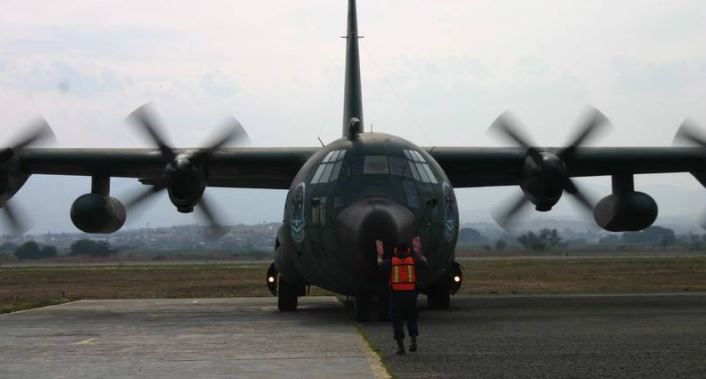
457 279
270 279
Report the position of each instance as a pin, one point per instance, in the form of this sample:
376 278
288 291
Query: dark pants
403 308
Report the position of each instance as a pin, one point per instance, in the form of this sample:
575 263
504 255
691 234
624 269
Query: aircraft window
415 174
430 174
336 171
317 175
411 192
418 167
422 173
330 156
375 164
327 171
398 166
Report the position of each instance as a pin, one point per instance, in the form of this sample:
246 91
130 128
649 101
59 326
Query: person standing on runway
402 268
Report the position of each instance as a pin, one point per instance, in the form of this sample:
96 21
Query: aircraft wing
228 167
276 167
487 166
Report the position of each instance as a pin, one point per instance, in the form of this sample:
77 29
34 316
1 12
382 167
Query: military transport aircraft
361 188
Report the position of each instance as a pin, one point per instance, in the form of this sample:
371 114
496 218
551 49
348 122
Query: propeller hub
186 183
542 179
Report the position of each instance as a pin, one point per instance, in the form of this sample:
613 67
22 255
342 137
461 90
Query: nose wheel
370 307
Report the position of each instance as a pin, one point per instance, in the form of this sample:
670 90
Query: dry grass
22 287
585 275
26 287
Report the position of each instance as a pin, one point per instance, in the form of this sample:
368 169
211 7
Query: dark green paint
353 93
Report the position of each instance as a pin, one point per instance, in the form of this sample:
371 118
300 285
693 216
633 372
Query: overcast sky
434 72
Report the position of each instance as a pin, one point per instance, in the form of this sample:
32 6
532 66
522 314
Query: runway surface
184 338
638 336
630 336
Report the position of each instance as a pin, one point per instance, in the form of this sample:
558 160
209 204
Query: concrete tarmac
634 336
612 336
185 338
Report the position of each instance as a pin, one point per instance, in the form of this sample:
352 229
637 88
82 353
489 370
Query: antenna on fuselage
353 93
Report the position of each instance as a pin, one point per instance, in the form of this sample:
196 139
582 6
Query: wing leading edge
270 168
276 167
487 166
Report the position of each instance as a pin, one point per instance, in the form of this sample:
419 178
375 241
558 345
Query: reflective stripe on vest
403 274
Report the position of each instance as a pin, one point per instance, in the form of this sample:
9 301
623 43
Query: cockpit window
330 167
419 167
412 166
375 164
399 167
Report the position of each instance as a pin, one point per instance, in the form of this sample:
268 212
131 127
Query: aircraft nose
363 222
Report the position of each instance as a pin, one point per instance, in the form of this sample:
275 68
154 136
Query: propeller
185 177
10 180
689 132
35 132
543 176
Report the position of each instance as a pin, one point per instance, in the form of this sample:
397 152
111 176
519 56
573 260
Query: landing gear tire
361 308
439 293
287 296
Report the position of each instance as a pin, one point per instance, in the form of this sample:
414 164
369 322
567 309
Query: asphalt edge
380 371
33 308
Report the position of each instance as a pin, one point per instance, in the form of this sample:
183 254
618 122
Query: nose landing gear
439 292
364 307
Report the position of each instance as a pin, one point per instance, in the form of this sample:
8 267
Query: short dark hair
402 246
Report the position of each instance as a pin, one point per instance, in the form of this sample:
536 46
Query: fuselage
353 192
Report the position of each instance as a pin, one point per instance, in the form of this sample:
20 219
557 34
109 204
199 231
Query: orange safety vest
403 276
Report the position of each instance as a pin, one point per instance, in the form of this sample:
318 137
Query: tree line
31 250
547 239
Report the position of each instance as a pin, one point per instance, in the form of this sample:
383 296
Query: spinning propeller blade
36 132
552 166
177 163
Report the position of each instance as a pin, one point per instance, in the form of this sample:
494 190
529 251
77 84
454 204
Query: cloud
218 84
91 41
62 77
667 78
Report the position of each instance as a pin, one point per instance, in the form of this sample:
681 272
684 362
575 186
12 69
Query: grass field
27 287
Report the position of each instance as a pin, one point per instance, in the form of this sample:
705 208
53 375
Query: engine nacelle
542 180
94 213
625 212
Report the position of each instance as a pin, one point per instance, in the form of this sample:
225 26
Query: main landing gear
287 293
439 292
287 296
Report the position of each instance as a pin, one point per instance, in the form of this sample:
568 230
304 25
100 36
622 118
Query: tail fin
353 94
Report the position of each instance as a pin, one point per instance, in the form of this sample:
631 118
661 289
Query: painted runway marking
89 341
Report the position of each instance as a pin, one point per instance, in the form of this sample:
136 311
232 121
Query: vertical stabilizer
353 94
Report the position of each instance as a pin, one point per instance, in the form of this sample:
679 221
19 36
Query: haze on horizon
436 73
